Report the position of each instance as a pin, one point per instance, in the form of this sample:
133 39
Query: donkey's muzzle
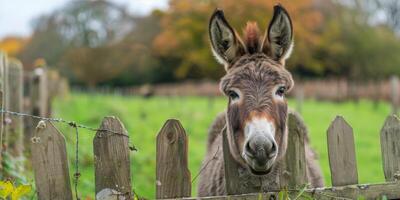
260 153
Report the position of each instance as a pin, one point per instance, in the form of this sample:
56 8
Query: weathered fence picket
50 163
341 152
37 100
172 173
295 171
390 147
233 185
15 125
39 92
29 127
111 159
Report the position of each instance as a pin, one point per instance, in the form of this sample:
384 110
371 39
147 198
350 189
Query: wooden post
39 92
15 125
234 183
390 147
50 163
2 80
38 97
6 95
232 179
111 159
295 170
394 85
28 122
173 176
341 152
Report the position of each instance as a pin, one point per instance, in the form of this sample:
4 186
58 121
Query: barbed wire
206 164
72 124
60 120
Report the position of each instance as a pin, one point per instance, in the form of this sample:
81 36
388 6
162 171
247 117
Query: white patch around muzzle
259 127
259 136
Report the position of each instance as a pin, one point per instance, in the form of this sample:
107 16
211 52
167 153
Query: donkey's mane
252 40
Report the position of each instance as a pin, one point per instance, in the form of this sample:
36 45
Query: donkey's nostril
273 148
248 150
273 151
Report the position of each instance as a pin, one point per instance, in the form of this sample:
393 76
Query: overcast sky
16 15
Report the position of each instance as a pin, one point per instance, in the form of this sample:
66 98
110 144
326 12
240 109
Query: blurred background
149 60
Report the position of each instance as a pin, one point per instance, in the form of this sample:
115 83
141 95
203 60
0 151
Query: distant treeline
101 43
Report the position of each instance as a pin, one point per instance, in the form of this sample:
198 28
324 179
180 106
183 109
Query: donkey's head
256 82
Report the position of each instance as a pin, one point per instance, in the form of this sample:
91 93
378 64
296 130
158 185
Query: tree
92 28
184 35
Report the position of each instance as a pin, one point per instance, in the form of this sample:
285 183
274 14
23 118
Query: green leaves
7 189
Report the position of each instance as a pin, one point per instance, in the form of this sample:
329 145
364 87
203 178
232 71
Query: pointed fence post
341 152
173 175
295 170
390 147
111 159
38 99
15 125
231 167
2 80
50 163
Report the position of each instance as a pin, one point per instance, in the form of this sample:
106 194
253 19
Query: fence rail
173 178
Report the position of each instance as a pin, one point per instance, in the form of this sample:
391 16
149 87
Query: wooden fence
173 178
25 92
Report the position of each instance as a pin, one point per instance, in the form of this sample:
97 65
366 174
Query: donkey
255 121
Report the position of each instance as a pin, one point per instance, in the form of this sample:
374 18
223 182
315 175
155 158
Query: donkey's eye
233 95
281 91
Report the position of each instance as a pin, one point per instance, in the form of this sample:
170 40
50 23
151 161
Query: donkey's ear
278 41
226 44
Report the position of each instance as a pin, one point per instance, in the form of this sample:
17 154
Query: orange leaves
12 45
184 30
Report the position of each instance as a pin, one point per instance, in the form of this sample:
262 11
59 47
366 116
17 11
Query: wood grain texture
390 148
15 126
172 173
50 163
341 152
111 158
390 190
233 184
294 166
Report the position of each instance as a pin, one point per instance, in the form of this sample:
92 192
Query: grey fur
212 179
256 74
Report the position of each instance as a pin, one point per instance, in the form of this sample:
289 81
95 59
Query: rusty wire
74 125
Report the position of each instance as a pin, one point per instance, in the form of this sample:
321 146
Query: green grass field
144 117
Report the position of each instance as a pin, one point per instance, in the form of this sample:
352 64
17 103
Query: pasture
144 117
